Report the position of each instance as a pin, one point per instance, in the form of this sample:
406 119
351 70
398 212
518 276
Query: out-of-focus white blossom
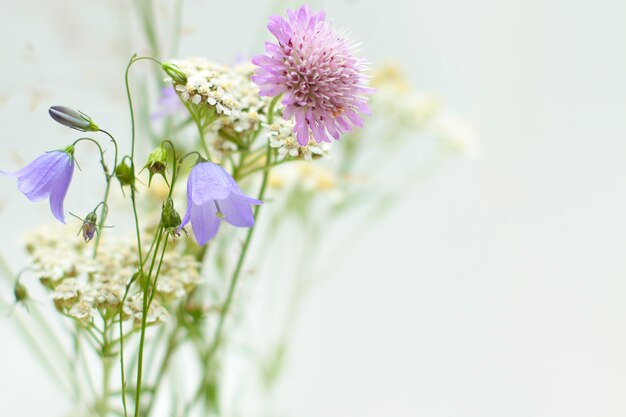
82 286
458 135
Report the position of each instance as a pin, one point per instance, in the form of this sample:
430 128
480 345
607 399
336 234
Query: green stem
132 162
178 11
205 148
81 361
265 168
137 231
105 207
103 215
172 344
147 300
102 405
54 348
34 343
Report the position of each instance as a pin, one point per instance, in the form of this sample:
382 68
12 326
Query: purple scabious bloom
324 85
47 176
213 196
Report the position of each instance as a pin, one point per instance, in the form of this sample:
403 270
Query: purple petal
189 205
210 182
35 178
237 210
302 133
47 176
44 159
59 191
205 222
332 129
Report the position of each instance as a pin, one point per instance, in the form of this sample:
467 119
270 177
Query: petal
302 133
288 111
210 182
40 161
205 222
332 129
237 211
354 118
61 184
319 132
37 179
189 205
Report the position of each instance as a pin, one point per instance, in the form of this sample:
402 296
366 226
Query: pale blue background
497 287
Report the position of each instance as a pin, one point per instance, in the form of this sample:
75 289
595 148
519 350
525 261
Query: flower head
47 176
314 67
213 196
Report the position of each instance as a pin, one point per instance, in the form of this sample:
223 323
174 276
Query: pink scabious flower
324 85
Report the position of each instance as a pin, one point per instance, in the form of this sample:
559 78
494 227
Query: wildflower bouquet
132 302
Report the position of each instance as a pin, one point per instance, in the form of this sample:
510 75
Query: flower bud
170 219
157 161
89 226
176 73
20 292
73 118
124 174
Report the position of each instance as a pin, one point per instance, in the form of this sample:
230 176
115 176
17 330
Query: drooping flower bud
124 174
157 161
73 118
89 226
170 219
20 292
176 73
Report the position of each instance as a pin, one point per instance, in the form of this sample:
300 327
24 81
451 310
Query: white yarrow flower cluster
208 83
228 90
81 286
281 137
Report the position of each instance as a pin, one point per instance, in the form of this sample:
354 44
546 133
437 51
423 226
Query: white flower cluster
228 90
82 286
281 137
207 82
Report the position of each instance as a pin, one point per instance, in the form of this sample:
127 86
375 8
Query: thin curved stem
137 231
116 149
174 167
107 176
